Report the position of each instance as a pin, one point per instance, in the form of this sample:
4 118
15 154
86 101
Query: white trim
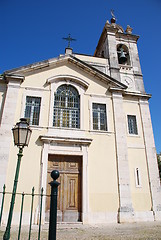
71 78
98 96
65 140
73 147
43 177
54 86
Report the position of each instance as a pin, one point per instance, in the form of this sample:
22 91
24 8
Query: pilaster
85 200
7 122
135 62
151 156
126 212
111 53
43 177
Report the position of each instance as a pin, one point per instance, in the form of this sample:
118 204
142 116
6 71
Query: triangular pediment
63 60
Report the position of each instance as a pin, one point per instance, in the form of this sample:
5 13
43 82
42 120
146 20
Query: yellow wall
103 186
140 195
137 159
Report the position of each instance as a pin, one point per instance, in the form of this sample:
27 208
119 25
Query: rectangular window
137 177
132 126
32 110
99 117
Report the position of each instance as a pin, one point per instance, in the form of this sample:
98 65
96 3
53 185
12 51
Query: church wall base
157 215
144 216
102 217
95 218
125 217
16 219
122 217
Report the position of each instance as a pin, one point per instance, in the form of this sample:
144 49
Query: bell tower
120 48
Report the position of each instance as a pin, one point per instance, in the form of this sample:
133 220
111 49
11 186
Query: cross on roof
69 39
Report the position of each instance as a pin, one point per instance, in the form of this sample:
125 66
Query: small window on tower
123 54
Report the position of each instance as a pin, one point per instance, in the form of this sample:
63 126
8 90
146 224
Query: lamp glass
15 135
28 136
21 133
22 136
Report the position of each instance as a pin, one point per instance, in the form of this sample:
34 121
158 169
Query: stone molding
59 145
7 122
126 211
66 140
151 156
72 78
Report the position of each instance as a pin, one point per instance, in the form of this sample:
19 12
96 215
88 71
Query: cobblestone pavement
130 231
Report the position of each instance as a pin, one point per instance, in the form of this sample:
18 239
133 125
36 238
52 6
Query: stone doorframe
66 146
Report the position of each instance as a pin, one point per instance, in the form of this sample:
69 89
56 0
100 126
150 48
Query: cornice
63 59
66 140
129 93
13 77
127 36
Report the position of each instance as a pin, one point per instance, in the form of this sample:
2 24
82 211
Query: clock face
128 82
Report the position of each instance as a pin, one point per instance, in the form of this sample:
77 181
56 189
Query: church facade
90 120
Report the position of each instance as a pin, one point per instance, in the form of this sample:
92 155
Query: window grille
66 107
99 117
32 110
132 126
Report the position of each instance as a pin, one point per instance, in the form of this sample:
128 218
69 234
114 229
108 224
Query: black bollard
53 205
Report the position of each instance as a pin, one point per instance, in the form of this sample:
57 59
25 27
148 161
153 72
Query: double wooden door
69 191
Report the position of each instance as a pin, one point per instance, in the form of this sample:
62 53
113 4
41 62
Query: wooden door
69 191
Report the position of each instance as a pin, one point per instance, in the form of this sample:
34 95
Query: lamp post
21 135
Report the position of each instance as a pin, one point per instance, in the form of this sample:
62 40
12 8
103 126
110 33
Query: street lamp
21 135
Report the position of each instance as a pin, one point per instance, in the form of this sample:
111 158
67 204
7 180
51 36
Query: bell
122 57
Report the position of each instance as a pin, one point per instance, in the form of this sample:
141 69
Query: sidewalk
128 231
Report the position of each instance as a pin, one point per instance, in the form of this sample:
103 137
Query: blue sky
32 31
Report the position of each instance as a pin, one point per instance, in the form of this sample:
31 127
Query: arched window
66 107
123 54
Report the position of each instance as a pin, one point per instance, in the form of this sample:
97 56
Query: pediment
62 61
